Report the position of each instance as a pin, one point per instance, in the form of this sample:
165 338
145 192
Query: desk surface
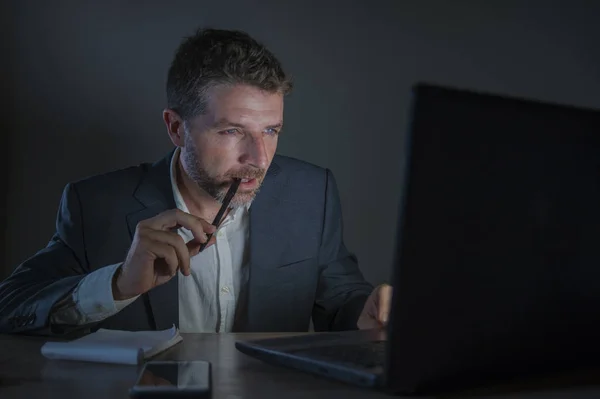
25 373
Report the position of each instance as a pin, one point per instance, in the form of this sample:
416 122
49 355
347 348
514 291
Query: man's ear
175 126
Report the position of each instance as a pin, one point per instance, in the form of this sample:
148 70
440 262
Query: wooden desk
25 373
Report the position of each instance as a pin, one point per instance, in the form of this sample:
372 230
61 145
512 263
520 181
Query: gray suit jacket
299 266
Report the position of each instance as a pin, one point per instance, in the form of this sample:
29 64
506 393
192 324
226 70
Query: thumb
194 246
384 303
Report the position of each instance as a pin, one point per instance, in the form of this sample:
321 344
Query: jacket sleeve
47 279
342 290
92 300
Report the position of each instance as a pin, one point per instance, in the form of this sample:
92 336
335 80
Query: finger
174 240
367 323
207 227
194 246
166 252
213 240
199 232
368 316
176 217
384 300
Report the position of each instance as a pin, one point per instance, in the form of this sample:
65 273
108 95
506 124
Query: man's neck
198 201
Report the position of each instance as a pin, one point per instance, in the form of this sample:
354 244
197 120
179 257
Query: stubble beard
217 186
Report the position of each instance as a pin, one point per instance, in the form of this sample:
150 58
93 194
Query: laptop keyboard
367 355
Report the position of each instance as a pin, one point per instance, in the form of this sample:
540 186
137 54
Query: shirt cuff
94 295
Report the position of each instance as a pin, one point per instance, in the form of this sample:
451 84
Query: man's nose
255 153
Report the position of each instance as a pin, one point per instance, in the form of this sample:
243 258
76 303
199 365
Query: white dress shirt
208 298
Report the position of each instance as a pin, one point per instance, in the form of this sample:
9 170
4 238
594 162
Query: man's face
235 138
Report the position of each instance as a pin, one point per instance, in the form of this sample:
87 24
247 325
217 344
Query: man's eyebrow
275 126
225 122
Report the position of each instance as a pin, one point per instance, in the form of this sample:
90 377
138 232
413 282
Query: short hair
213 56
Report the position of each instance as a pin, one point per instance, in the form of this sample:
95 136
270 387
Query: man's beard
217 186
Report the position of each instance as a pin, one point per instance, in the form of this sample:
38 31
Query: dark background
83 89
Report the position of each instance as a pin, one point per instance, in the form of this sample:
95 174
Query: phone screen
176 376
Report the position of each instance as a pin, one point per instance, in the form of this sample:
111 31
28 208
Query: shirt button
220 234
225 289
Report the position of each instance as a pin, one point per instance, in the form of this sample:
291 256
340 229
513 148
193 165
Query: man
126 252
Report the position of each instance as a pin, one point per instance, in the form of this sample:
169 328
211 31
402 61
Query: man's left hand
377 308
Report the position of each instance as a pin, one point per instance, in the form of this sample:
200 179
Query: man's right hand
158 252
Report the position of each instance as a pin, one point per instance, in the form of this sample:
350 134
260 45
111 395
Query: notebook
114 346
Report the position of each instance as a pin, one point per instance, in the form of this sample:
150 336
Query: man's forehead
245 107
232 98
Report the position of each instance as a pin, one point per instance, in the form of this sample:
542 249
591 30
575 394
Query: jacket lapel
264 219
274 241
155 196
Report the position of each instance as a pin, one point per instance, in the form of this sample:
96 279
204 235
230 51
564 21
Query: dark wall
6 121
89 77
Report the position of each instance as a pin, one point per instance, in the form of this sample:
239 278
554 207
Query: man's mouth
248 182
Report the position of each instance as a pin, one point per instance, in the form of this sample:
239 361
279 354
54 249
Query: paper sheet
114 346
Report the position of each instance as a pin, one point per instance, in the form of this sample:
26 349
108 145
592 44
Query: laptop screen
498 264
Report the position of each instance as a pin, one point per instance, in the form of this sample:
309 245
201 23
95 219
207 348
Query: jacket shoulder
290 165
304 181
122 181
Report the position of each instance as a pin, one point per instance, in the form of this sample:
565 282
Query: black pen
217 221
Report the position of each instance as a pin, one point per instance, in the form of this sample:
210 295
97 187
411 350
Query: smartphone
173 379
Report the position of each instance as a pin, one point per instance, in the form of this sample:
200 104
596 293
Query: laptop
496 270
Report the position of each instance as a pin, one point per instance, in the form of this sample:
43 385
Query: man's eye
230 131
271 132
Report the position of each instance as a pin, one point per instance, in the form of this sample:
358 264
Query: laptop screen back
498 266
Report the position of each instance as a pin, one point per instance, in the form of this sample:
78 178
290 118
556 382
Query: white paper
113 346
